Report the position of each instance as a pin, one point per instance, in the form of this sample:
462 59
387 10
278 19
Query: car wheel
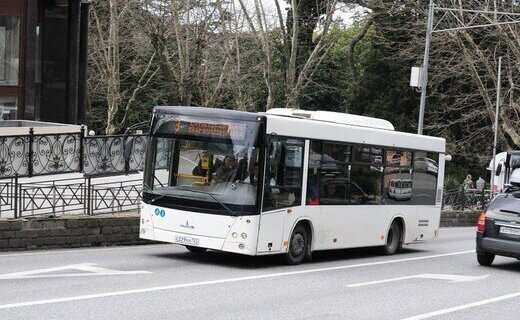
297 246
393 239
196 249
485 259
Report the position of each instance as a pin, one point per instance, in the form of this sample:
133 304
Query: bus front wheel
297 246
393 239
196 249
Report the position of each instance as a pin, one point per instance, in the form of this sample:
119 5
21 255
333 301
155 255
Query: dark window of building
9 50
8 108
284 173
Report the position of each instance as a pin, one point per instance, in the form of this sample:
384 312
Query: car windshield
204 164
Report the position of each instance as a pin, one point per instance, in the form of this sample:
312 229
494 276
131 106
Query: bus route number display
218 130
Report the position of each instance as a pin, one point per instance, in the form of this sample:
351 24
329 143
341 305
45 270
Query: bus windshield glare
203 165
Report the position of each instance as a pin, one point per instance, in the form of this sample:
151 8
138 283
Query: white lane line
433 276
464 306
80 250
221 281
89 269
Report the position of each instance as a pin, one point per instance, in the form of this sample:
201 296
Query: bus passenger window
283 177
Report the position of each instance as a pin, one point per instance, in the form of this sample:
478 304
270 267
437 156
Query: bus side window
283 177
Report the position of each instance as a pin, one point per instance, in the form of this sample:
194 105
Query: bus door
282 190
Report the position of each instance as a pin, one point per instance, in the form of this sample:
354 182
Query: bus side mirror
128 148
499 169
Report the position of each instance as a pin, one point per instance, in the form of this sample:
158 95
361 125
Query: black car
499 227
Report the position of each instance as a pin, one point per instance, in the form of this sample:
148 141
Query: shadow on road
231 260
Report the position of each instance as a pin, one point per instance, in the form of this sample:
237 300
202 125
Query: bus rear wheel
393 239
196 249
297 246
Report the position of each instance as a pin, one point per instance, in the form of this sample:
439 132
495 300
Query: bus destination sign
219 130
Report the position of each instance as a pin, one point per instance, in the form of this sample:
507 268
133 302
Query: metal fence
32 155
75 196
472 199
41 154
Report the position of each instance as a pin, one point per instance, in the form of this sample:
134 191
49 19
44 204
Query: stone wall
69 232
459 219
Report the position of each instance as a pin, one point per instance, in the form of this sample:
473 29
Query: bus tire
196 249
298 245
394 241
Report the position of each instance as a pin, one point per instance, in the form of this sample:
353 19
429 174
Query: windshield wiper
156 197
212 196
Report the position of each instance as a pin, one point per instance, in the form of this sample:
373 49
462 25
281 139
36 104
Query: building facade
43 60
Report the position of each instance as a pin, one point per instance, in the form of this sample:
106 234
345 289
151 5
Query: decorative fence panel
39 154
14 156
58 153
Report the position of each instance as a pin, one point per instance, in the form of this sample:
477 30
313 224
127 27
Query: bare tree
117 71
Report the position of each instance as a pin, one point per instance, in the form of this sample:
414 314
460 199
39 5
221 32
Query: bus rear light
481 224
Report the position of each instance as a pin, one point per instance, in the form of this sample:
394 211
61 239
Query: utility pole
424 80
493 172
472 21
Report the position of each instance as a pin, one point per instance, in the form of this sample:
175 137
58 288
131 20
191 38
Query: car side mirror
499 169
128 148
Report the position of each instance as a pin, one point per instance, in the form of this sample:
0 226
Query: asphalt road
439 279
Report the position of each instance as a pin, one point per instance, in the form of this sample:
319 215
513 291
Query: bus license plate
508 230
187 241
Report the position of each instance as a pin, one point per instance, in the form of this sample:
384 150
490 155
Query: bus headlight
234 235
241 246
243 235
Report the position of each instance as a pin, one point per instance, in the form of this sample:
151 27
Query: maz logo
187 225
159 212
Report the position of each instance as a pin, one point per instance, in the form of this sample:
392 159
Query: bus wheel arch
395 236
301 231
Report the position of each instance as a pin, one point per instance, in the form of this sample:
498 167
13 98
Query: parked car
498 231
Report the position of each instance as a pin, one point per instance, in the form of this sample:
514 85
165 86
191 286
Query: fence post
31 150
89 196
16 196
462 199
81 145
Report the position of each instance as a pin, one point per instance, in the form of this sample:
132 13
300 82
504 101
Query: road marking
89 268
448 277
221 281
464 306
81 250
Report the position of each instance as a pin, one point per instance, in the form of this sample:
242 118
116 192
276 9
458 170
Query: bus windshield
203 165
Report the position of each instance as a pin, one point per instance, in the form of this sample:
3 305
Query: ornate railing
40 154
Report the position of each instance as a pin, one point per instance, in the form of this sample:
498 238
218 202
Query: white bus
287 182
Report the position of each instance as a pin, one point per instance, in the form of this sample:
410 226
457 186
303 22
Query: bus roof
284 125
